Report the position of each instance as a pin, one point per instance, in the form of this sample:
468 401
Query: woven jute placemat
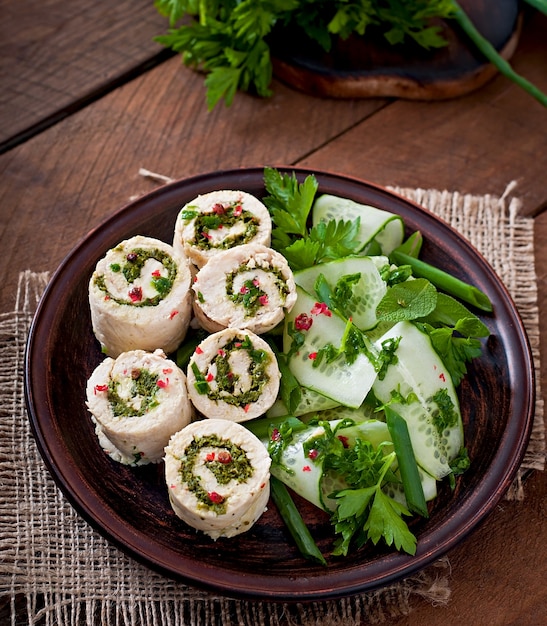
55 569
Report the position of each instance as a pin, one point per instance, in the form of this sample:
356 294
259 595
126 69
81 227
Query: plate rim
492 486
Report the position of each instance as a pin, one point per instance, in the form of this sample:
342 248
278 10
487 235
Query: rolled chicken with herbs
233 375
250 286
218 477
137 402
218 221
140 297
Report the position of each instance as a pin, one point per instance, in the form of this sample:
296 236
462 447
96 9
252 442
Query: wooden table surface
88 98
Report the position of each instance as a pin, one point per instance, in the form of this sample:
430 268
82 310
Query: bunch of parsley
228 39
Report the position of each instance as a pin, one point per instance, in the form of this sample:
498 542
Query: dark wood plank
60 184
57 55
474 144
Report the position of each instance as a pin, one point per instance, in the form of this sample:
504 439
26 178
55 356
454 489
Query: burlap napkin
54 569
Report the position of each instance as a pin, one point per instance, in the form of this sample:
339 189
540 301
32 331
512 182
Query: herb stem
540 5
488 50
408 468
294 522
444 281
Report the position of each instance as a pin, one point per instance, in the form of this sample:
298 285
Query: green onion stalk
492 55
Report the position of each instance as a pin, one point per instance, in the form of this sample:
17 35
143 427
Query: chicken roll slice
137 401
220 220
217 474
233 375
140 297
250 286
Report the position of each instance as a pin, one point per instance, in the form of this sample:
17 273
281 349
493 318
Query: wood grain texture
88 166
475 144
56 55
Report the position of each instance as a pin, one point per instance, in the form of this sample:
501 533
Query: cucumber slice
310 402
366 293
419 373
429 485
307 478
343 382
383 227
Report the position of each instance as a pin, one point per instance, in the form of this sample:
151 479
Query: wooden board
368 66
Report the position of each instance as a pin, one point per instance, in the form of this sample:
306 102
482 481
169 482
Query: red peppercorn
135 294
215 497
344 441
303 322
224 457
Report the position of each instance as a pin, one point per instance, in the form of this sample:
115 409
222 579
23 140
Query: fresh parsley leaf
364 511
336 239
289 201
385 521
455 351
299 254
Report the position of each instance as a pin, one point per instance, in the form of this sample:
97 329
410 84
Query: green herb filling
238 468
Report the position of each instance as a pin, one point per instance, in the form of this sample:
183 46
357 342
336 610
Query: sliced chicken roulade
140 297
220 220
137 402
250 286
233 375
217 474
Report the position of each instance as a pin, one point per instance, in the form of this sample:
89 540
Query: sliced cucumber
306 477
422 382
343 382
339 412
429 486
366 293
311 401
377 225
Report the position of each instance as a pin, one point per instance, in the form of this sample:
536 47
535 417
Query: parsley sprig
365 512
290 204
230 39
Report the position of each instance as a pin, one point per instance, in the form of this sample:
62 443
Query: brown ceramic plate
130 507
